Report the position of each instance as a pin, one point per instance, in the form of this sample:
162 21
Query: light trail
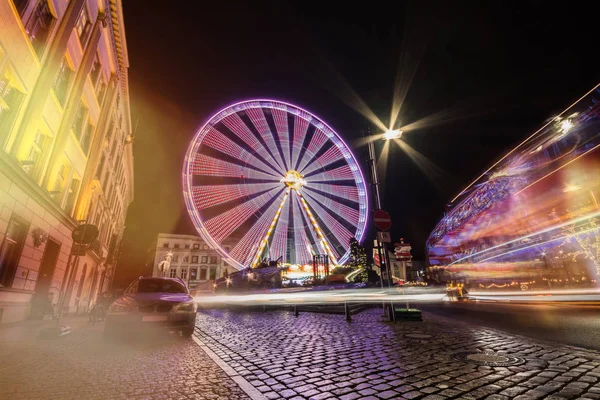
522 143
305 297
558 169
558 296
570 222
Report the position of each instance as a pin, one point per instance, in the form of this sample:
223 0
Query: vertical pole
296 310
347 311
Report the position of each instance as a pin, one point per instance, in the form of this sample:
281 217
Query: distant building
65 150
190 259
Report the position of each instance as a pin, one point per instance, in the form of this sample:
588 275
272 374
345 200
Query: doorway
47 267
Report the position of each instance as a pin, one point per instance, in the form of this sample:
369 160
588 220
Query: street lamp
392 134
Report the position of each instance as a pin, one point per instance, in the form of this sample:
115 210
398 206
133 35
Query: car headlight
187 307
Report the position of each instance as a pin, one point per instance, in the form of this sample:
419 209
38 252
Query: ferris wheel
264 179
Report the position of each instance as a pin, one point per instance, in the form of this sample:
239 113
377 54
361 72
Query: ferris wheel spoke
261 125
259 233
210 166
222 225
341 211
319 233
299 134
280 118
218 141
280 236
345 192
302 246
207 196
237 126
332 155
343 173
338 230
319 138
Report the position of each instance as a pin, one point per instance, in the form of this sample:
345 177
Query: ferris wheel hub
293 179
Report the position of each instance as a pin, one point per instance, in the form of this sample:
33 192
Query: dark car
163 303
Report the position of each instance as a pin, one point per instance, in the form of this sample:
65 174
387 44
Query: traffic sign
384 237
382 220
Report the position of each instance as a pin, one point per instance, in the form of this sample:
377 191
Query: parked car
164 303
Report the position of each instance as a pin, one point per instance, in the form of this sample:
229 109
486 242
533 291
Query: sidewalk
82 365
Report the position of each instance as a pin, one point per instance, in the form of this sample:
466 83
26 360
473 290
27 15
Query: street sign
382 220
384 237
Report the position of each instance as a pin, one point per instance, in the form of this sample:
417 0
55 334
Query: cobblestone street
84 366
316 356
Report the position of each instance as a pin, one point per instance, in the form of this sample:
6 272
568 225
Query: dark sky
491 72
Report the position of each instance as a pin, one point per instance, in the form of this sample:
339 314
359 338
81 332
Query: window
213 260
39 25
186 259
204 259
60 182
73 190
79 120
38 148
203 274
176 258
10 253
10 102
95 71
83 26
173 273
204 247
196 246
155 285
193 274
63 79
187 246
166 245
194 259
213 274
21 6
176 246
86 138
101 91
184 272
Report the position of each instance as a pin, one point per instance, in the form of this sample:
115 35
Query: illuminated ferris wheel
264 179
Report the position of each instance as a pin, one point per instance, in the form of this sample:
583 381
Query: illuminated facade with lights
191 259
65 157
532 219
280 179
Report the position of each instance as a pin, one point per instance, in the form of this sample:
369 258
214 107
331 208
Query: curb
246 386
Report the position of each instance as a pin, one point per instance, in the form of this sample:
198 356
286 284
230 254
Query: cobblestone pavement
316 356
84 366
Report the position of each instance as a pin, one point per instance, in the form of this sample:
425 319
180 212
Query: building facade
190 259
65 150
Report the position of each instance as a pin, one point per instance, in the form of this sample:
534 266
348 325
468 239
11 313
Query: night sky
487 74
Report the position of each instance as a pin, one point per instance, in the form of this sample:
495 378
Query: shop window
173 273
193 274
213 274
184 272
203 274
39 26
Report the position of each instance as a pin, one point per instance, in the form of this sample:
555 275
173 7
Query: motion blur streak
323 297
556 295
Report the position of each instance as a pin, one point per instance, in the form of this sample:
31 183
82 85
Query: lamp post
388 135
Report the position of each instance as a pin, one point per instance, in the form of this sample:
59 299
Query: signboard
382 220
85 234
384 237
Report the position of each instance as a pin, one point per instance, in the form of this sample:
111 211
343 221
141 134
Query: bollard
347 311
393 312
295 310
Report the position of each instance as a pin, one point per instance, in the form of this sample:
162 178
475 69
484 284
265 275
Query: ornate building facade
190 259
65 150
